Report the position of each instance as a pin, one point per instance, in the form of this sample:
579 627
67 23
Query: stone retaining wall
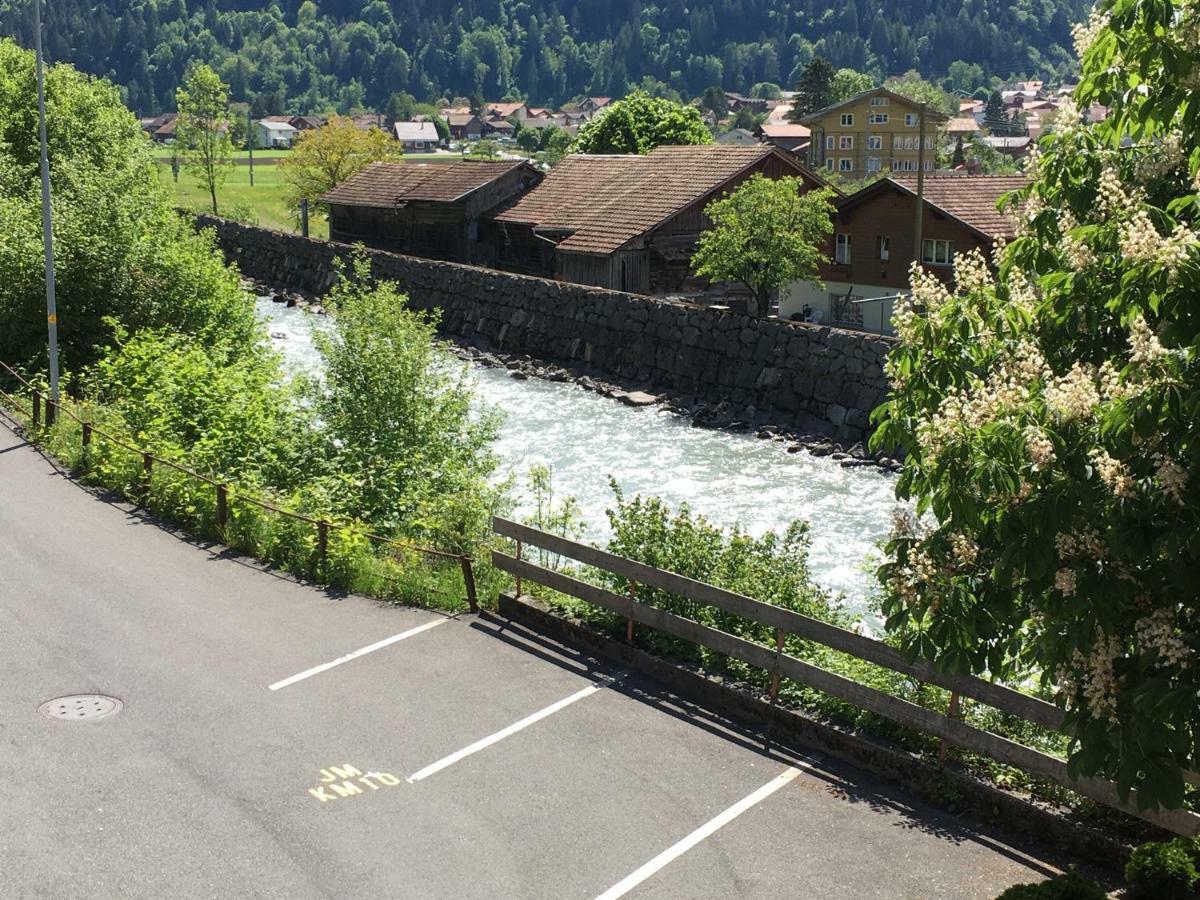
757 371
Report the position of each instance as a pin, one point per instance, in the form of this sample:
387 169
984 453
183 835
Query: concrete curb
1019 816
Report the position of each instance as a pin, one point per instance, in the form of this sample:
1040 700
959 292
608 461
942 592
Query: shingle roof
460 120
606 201
785 131
971 199
384 184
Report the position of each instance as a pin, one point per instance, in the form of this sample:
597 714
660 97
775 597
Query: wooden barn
627 222
425 209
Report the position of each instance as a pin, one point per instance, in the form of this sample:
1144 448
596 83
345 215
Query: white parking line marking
623 887
378 645
503 733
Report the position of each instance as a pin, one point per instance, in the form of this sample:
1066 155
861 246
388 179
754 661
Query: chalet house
962 126
627 222
738 102
871 249
875 131
498 128
274 132
417 137
161 128
424 209
592 105
464 126
519 111
739 136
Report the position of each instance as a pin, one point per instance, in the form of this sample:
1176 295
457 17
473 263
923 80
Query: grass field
264 201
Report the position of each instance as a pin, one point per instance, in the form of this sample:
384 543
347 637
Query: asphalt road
470 758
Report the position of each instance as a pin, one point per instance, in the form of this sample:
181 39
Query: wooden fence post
147 466
322 546
518 577
51 412
469 583
951 713
87 435
779 638
629 622
222 508
37 408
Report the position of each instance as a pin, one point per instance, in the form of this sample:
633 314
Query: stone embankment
811 385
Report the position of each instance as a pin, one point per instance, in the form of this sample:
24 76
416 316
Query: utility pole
920 214
47 224
250 144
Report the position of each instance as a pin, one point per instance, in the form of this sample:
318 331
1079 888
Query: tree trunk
762 299
212 190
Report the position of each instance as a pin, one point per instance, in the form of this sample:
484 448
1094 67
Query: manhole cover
79 707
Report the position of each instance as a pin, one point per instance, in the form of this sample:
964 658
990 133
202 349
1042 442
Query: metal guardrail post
222 507
37 409
469 583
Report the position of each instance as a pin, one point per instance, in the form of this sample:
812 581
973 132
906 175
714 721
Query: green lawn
164 154
264 201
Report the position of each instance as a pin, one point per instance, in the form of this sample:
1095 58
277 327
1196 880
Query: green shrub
1069 886
1164 871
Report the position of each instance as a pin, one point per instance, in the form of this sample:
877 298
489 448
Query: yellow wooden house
875 132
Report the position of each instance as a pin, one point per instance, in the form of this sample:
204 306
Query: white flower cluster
1173 478
1074 395
1101 684
1021 293
1141 242
1113 473
909 580
904 523
904 320
1165 157
965 550
1157 632
1065 582
1040 447
1111 199
1085 33
971 271
1078 254
928 291
1144 346
1087 543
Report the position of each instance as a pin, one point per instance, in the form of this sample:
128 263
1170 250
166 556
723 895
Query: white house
272 134
417 137
739 136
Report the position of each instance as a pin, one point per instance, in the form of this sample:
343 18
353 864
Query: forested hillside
306 56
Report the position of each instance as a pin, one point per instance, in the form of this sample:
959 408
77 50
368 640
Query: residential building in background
417 137
869 253
275 133
872 132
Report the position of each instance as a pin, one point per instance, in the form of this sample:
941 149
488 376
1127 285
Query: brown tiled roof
384 184
503 110
460 120
971 199
606 201
962 124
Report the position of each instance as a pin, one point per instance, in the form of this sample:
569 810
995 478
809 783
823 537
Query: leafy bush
1164 871
1069 886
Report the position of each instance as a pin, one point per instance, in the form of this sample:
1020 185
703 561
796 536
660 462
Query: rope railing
225 492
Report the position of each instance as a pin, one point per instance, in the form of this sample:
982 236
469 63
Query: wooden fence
773 660
42 409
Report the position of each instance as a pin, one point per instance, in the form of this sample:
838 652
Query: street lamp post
47 225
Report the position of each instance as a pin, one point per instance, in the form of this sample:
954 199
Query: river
730 478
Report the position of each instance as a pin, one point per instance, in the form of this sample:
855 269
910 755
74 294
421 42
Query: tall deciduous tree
765 234
814 90
639 123
325 157
847 83
203 129
1050 418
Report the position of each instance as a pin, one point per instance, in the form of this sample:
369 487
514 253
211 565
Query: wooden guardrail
225 492
779 664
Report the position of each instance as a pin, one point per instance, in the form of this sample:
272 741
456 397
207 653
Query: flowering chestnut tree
1051 415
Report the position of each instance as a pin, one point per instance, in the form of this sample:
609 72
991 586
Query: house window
911 119
879 101
875 142
929 142
882 247
829 142
848 120
929 165
937 252
829 164
878 118
841 250
845 164
873 164
846 142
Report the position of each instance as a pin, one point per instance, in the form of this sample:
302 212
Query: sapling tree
1051 414
766 233
203 129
